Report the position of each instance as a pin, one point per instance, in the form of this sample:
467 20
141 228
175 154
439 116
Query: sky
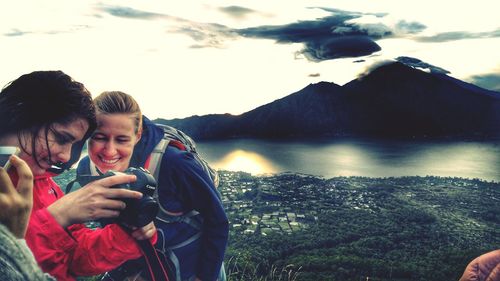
184 58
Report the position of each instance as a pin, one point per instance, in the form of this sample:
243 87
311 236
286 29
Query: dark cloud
314 75
458 35
416 63
340 47
488 81
304 31
236 11
325 38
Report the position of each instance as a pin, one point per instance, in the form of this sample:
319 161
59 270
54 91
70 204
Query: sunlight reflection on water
241 160
357 158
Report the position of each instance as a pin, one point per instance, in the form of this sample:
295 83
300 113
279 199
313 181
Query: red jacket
77 250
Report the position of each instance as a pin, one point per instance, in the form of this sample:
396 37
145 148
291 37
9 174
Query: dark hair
118 102
36 101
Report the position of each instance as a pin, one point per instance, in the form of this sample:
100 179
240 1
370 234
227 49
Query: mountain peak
321 86
393 99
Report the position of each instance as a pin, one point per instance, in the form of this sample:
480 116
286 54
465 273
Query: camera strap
155 267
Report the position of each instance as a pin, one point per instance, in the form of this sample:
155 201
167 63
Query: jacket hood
151 136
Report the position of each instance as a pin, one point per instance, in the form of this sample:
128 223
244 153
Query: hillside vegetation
300 227
410 228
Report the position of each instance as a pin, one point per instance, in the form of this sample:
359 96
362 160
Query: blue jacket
184 186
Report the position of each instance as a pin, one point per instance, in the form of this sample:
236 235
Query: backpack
184 142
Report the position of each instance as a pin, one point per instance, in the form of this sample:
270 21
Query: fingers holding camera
16 204
145 232
119 192
94 201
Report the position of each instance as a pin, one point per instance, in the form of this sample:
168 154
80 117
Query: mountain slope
393 100
399 100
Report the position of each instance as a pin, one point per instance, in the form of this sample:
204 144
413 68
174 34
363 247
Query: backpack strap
155 159
169 254
185 218
84 179
173 257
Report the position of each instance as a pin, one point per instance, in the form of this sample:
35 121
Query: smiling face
112 144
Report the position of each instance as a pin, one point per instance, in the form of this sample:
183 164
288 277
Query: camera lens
148 211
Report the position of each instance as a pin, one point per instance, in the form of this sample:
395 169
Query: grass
239 270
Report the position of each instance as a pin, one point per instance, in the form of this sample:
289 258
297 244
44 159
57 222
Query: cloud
416 63
489 81
458 35
206 34
127 12
356 14
409 61
16 32
409 27
372 67
314 75
236 11
325 38
368 29
340 35
305 31
340 47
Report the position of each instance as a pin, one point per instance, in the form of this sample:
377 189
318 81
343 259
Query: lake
357 157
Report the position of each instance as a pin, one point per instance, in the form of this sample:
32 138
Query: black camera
139 212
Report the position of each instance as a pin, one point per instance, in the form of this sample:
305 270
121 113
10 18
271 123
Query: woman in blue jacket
194 233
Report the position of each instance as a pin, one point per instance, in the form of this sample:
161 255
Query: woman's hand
144 232
94 201
15 205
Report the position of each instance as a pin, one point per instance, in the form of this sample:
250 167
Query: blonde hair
111 102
